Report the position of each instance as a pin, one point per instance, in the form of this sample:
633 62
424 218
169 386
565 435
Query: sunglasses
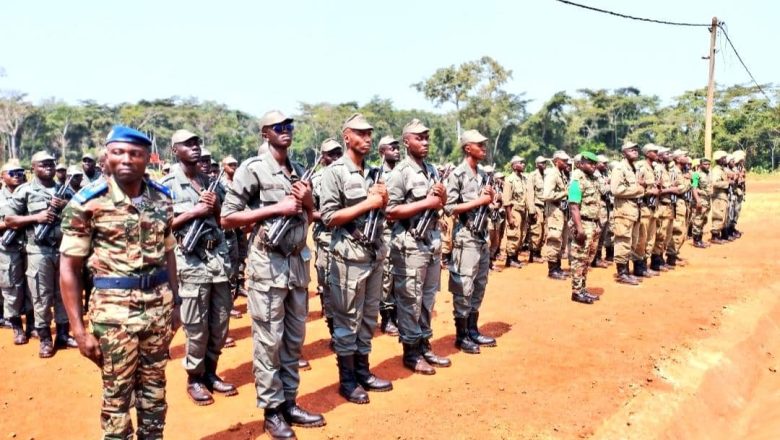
16 174
281 128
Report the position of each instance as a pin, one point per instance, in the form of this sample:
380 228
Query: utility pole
710 92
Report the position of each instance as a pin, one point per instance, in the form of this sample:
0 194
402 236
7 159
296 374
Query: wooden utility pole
710 92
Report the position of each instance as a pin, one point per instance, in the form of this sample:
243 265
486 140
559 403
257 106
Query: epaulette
166 178
458 171
160 188
91 191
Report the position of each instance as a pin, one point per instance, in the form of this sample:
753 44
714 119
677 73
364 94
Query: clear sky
259 55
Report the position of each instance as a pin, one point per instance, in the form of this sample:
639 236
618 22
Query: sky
261 55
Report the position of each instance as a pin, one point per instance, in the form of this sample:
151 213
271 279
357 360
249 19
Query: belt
143 282
588 219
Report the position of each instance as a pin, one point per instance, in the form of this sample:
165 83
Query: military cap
472 137
560 154
488 169
41 156
205 153
388 140
11 165
229 160
74 171
329 144
718 155
89 156
540 159
61 166
662 149
498 175
274 117
577 157
356 122
120 133
627 145
739 155
649 147
679 152
590 156
181 136
602 159
517 159
214 162
704 159
729 158
414 127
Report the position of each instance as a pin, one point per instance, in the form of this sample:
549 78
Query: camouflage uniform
277 279
15 297
387 301
663 217
647 220
125 238
517 194
627 193
720 199
681 206
538 227
556 232
584 190
703 185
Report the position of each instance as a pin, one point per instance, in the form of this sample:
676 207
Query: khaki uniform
276 280
682 182
720 198
203 278
627 193
664 214
518 194
124 238
739 194
470 262
556 233
15 297
536 181
605 211
321 235
703 186
582 255
356 265
645 238
416 262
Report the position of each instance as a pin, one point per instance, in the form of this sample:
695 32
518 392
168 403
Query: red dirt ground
692 354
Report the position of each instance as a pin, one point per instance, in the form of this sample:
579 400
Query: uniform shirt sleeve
453 193
244 186
575 192
396 188
17 203
330 194
76 231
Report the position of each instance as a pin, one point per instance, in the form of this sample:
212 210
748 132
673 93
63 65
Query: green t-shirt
575 192
695 180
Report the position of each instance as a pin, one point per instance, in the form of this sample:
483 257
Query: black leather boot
553 272
582 297
46 349
511 261
387 325
366 378
214 383
64 339
16 324
276 426
623 275
671 261
610 251
414 361
655 262
348 386
698 242
431 357
29 326
197 391
462 339
475 335
297 416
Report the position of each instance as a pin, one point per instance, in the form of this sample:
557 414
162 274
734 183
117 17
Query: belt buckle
146 282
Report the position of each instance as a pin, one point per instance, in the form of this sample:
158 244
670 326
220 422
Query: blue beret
120 133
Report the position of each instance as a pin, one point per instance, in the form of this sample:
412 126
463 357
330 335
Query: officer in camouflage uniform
390 152
267 189
15 298
627 190
414 190
556 233
536 215
467 192
203 273
519 202
34 204
346 203
664 213
646 177
121 229
739 190
584 206
605 209
702 193
720 198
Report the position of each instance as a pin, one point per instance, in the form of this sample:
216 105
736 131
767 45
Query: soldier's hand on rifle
302 191
434 202
206 205
440 191
46 216
289 206
487 195
377 194
58 203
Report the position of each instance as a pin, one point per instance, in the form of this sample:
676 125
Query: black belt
588 219
143 282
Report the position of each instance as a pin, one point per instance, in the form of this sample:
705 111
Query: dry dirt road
692 354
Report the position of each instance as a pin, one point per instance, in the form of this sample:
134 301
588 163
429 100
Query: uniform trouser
603 220
43 278
205 318
515 235
278 330
625 233
663 232
679 228
446 225
134 359
737 207
322 267
15 298
355 288
609 230
537 229
645 233
582 255
468 277
417 278
700 217
556 233
720 209
387 300
495 235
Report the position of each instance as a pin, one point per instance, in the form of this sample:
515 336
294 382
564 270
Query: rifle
424 222
197 227
42 231
370 227
479 224
282 224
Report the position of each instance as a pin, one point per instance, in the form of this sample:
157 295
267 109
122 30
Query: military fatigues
86 180
470 257
416 261
703 186
15 297
584 190
203 279
387 301
664 213
647 221
518 194
739 194
720 198
537 228
556 232
127 238
627 193
277 279
496 226
605 212
681 210
321 235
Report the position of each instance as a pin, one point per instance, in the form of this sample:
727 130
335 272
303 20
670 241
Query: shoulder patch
91 191
159 188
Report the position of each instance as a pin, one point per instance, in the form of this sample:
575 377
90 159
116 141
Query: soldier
720 198
467 193
682 184
605 211
702 192
34 204
519 203
15 297
627 189
664 213
204 162
121 229
497 220
647 178
536 214
556 232
237 245
416 251
75 182
390 153
61 173
202 273
346 203
91 171
331 151
446 224
739 190
267 189
584 198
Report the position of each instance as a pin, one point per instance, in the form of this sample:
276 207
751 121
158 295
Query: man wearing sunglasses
30 205
267 189
12 282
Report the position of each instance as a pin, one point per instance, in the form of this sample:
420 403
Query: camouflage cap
414 127
329 144
739 155
73 170
180 136
89 156
704 159
627 145
560 154
273 117
472 137
387 140
679 152
649 147
41 156
718 155
356 122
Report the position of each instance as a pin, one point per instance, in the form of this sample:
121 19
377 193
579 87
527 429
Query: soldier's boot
511 261
64 339
560 269
651 272
198 391
276 426
553 272
349 388
716 238
581 297
726 234
698 243
656 263
214 383
623 276
671 261
431 357
598 262
386 325
297 416
610 251
414 361
735 232
475 335
662 264
29 330
19 337
46 349
366 378
462 339
332 343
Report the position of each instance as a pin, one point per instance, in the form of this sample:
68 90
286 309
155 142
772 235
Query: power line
649 20
722 27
